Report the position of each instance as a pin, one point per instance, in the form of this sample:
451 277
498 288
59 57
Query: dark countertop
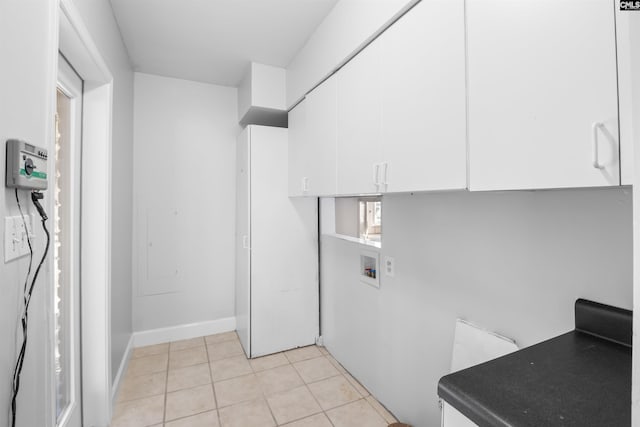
581 378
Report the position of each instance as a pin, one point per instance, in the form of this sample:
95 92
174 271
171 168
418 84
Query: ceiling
213 41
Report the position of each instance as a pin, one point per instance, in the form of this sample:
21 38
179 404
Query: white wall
184 201
98 17
635 71
263 86
348 216
512 262
349 26
27 91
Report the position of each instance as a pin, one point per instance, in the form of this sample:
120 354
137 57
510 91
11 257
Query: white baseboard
117 382
183 332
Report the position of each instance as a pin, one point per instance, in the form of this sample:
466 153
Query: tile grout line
263 391
166 386
264 395
189 388
215 398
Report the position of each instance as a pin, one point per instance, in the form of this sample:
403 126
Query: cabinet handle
386 174
376 173
245 242
305 184
594 141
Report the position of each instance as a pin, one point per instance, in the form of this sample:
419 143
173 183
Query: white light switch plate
15 237
11 240
389 266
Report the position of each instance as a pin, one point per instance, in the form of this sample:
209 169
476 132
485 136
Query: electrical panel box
26 166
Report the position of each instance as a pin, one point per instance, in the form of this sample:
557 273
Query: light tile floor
208 382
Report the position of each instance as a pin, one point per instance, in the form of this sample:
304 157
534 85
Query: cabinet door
284 251
320 161
452 418
359 116
243 239
423 99
542 94
298 146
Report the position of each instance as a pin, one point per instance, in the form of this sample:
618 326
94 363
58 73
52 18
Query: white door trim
70 84
76 44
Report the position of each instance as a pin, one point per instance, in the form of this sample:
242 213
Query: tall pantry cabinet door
423 99
284 251
542 94
243 239
359 116
320 157
298 147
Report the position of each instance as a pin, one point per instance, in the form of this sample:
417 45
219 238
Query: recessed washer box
370 268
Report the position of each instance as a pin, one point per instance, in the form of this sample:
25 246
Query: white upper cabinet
298 147
312 143
542 94
321 133
423 99
359 123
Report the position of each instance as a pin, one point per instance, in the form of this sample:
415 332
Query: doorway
66 247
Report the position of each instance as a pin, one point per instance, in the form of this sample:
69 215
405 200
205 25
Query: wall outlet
389 266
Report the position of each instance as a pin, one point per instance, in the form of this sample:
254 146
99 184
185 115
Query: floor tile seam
187 367
187 348
268 369
224 358
145 373
262 393
173 368
273 416
380 403
306 360
360 396
215 397
296 368
119 401
327 378
327 416
166 391
297 419
190 415
278 367
186 339
133 357
354 401
303 383
314 398
217 342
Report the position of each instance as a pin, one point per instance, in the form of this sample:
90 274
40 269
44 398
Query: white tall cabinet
277 293
542 94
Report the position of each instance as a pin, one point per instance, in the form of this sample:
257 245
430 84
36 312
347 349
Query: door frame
71 86
77 45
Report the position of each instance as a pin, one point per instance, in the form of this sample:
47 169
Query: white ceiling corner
213 41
